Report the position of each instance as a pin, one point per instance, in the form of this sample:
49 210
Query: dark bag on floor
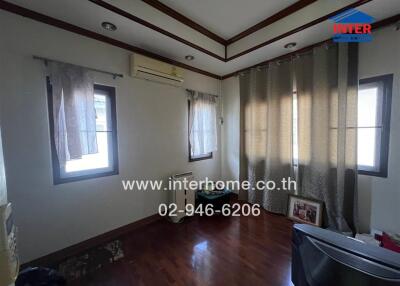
39 276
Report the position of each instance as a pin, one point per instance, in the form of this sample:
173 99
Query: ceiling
171 29
221 16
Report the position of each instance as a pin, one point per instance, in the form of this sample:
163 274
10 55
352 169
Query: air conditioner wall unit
154 70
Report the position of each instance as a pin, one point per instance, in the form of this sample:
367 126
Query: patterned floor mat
92 260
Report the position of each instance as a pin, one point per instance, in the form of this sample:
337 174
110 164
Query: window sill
59 181
200 158
381 174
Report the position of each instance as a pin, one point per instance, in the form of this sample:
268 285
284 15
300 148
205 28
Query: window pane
374 104
101 112
202 131
99 160
367 107
366 146
91 161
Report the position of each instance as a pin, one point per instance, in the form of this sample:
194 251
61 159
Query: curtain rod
188 89
288 57
115 75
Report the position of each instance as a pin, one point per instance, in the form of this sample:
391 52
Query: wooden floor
203 251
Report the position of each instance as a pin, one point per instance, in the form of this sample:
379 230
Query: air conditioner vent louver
150 69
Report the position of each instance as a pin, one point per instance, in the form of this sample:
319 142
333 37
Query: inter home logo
352 26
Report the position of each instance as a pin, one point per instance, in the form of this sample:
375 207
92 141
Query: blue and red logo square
352 26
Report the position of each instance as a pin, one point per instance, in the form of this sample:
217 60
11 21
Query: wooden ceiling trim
268 21
299 29
184 20
149 25
377 25
7 6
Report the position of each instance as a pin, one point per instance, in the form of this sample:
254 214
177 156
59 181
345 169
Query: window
105 161
202 125
374 106
197 157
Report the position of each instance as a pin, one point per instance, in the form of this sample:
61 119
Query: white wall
379 198
152 139
230 130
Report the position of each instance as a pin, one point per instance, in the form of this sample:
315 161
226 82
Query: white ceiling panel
227 18
84 12
295 20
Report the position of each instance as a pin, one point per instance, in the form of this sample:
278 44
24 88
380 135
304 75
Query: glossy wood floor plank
203 251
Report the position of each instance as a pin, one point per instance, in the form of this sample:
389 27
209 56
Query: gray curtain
74 114
326 84
266 130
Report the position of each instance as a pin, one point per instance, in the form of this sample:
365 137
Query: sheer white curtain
74 115
202 123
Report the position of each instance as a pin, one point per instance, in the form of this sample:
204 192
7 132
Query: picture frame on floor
305 210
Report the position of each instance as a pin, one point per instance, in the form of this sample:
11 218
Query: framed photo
305 210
